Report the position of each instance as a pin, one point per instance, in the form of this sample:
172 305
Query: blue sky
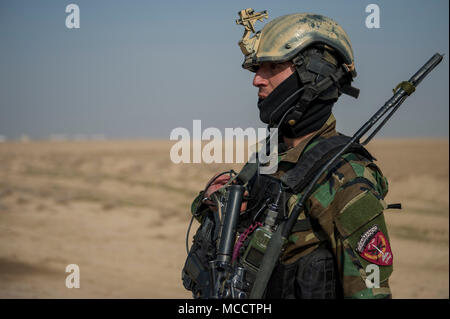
138 69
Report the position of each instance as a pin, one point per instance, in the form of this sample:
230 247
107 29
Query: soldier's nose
258 80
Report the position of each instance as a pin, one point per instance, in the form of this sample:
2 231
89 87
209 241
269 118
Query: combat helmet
284 37
319 48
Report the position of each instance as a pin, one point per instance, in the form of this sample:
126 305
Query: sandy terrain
120 210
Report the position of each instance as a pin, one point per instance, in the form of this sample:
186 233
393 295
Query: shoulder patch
374 247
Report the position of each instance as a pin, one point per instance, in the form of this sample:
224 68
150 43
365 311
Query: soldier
342 228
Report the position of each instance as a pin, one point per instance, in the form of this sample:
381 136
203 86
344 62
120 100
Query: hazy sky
139 69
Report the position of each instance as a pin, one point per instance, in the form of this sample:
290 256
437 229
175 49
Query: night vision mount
248 18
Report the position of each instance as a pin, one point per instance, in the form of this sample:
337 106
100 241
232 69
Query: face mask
271 109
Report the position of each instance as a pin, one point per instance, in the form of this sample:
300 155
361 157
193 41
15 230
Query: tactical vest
265 188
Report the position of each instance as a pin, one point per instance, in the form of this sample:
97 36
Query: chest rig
267 203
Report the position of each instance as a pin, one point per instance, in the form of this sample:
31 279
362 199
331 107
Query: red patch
374 247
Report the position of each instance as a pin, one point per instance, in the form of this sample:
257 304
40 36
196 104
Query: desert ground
120 211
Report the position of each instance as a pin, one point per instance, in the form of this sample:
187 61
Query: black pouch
195 274
282 282
313 276
317 275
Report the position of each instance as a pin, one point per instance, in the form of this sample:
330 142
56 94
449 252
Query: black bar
232 213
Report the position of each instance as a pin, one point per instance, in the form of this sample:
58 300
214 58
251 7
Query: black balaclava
313 118
267 107
282 102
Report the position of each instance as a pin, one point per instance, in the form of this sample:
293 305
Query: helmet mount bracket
248 18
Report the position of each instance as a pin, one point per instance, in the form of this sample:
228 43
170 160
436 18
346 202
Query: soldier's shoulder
355 168
353 175
350 202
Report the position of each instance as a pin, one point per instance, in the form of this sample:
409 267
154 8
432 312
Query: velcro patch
356 213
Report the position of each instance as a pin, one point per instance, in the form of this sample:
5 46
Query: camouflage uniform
346 203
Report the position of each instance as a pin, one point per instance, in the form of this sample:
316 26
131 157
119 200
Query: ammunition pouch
195 273
313 276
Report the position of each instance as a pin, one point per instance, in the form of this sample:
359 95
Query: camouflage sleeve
349 205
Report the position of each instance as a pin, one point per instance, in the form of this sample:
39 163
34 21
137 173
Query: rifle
279 237
221 268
